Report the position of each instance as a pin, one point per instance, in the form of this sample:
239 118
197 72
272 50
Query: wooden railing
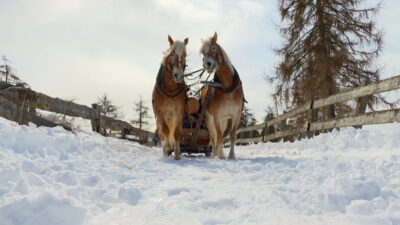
19 104
359 118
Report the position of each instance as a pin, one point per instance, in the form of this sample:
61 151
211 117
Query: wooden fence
19 104
359 118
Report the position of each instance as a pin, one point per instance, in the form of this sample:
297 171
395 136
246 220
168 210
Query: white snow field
49 176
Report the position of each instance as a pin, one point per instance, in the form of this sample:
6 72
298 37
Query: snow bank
51 176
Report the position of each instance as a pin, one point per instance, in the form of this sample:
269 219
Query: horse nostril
208 64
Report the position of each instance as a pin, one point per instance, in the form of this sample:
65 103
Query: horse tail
228 128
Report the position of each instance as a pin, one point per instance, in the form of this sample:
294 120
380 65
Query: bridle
171 66
215 55
160 86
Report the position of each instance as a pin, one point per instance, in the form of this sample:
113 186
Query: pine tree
9 75
107 107
142 112
247 118
329 47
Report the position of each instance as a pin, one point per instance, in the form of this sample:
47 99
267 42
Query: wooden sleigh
195 138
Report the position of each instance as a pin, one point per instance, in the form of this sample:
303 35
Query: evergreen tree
142 112
247 118
7 73
107 107
329 46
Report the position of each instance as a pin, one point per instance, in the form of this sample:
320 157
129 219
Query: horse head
213 54
175 59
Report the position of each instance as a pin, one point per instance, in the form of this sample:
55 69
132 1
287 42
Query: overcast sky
81 49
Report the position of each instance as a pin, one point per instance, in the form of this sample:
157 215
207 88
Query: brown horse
169 97
226 102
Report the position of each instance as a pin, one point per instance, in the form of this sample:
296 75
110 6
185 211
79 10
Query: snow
52 176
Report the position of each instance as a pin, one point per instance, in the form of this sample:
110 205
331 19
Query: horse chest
229 109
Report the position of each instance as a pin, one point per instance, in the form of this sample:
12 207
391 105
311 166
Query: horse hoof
167 153
232 157
177 157
221 156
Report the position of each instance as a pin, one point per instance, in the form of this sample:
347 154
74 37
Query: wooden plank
113 124
381 117
189 133
45 102
304 108
288 132
279 134
246 140
12 112
254 127
58 105
374 88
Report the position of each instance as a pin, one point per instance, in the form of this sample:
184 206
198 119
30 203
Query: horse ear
171 42
214 38
186 41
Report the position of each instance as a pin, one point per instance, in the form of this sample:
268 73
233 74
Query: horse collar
160 86
236 83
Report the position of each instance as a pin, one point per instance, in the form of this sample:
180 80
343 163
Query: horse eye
214 48
171 55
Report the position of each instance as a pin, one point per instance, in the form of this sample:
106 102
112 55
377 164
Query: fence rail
19 104
360 118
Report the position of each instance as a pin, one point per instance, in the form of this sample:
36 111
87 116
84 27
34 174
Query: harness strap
160 86
216 56
237 83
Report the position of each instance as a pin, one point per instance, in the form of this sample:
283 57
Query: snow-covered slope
50 176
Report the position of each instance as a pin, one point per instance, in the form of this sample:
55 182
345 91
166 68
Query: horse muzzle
209 65
178 77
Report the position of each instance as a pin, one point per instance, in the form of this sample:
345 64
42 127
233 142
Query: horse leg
232 139
177 148
219 138
211 133
172 126
164 132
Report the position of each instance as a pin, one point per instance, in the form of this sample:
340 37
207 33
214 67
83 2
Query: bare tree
329 46
142 113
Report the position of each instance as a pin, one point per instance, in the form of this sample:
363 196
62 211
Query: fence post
284 126
96 118
124 132
362 103
266 129
241 136
314 117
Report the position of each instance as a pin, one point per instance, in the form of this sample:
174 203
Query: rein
190 74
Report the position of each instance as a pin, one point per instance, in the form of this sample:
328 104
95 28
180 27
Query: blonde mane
178 46
206 46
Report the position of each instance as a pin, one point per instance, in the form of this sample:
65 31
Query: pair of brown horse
224 107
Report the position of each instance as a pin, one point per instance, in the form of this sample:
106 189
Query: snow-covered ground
53 177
